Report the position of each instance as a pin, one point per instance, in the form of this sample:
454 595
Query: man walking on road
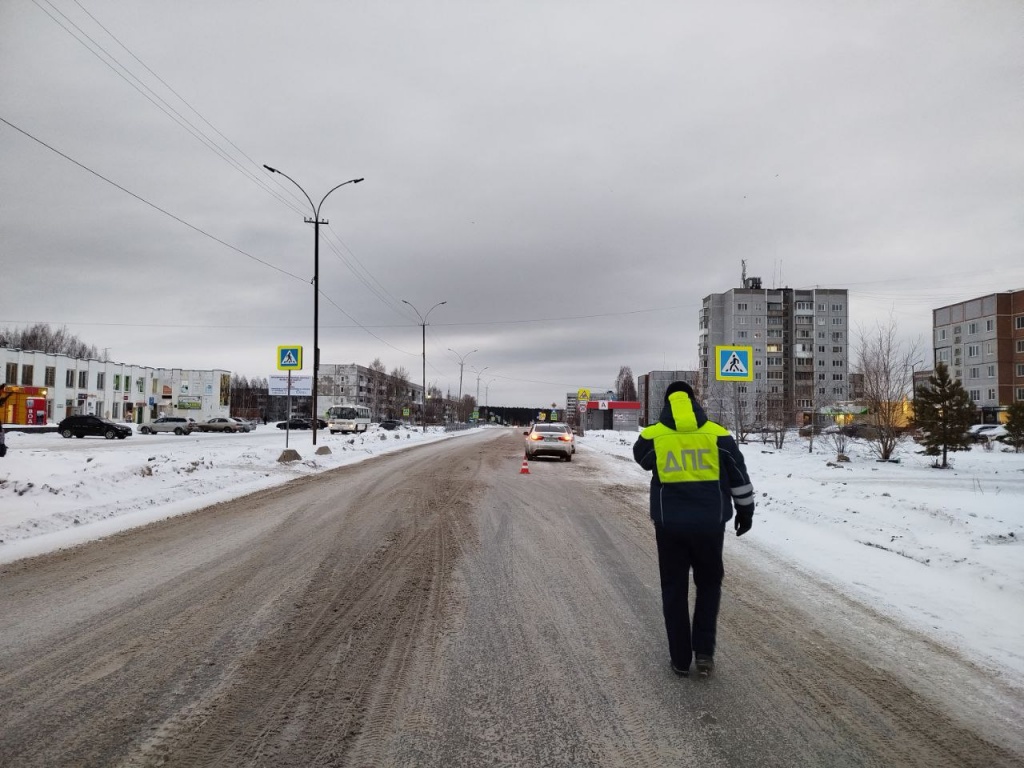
698 475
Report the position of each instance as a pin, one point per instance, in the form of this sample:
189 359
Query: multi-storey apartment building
800 340
981 341
352 384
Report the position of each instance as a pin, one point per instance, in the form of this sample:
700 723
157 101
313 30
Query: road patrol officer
698 475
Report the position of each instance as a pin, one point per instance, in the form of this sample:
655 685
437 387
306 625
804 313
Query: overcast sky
571 177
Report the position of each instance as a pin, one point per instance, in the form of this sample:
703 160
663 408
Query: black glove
744 521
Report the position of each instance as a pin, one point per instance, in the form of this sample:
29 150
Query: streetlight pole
423 323
462 360
316 222
478 374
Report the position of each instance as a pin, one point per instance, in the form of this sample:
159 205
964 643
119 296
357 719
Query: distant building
60 386
800 342
352 384
981 341
650 389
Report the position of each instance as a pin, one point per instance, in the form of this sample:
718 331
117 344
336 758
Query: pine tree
944 411
1015 426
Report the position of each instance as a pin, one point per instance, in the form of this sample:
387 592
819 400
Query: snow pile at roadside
56 492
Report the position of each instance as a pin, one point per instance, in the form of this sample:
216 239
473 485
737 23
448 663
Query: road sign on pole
734 363
289 358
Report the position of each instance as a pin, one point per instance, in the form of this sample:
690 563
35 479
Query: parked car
548 439
176 424
298 423
569 431
250 423
80 426
221 424
390 424
980 433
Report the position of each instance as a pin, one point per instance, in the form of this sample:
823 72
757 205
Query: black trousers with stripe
678 554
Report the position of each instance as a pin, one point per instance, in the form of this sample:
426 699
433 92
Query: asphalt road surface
435 607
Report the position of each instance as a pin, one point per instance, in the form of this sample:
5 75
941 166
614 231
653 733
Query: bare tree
887 366
378 388
625 386
42 338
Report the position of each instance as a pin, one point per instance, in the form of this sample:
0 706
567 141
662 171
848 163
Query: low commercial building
44 388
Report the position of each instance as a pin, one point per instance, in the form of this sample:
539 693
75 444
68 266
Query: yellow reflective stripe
686 457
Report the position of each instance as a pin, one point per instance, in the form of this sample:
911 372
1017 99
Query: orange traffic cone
525 469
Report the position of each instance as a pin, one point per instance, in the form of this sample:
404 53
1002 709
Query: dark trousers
677 554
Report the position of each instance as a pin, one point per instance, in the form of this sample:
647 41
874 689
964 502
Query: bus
348 418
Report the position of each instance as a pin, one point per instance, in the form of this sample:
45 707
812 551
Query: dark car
390 424
294 424
94 426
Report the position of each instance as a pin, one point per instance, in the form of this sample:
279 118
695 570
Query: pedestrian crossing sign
734 363
289 358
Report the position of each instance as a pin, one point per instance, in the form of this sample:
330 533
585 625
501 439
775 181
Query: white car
550 439
176 424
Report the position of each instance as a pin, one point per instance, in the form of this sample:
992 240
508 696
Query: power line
154 206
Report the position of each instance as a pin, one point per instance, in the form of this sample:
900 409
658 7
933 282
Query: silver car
175 424
550 439
221 424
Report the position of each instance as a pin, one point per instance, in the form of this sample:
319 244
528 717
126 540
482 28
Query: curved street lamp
462 360
478 374
316 222
423 323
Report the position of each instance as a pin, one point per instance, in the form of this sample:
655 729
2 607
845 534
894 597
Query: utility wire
154 206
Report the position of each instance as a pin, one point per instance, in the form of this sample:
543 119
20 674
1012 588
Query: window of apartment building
821 377
838 391
837 307
773 335
774 374
820 363
991 371
758 321
26 375
942 334
837 363
821 307
742 334
990 348
821 348
741 307
803 403
957 329
991 394
821 321
1020 369
741 320
942 356
822 334
990 325
774 321
117 382
774 348
741 389
1020 394
11 376
974 350
837 321
805 305
69 378
821 390
115 410
1018 323
974 394
837 377
837 350
101 380
50 379
972 328
973 373
1020 345
803 334
83 379
774 389
774 361
140 385
837 336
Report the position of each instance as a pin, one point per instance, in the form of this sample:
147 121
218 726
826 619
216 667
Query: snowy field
939 550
